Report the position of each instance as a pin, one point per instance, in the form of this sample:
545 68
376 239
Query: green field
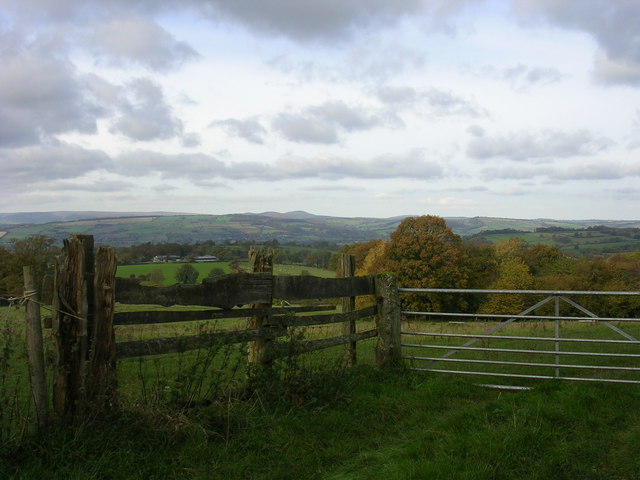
169 270
577 243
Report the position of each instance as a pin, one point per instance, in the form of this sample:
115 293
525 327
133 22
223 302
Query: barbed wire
17 301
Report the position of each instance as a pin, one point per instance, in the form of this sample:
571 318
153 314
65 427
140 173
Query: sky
369 108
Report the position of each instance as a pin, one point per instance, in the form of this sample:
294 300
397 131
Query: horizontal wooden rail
312 320
226 291
159 346
166 316
237 289
305 346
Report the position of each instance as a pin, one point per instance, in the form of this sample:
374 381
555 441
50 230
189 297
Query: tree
425 253
376 260
38 250
215 272
513 274
186 273
156 277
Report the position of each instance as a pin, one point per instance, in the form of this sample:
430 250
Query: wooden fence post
387 321
259 262
347 269
102 381
35 349
72 313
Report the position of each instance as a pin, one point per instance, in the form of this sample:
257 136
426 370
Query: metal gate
593 350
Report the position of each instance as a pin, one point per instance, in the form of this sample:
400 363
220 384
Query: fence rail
85 350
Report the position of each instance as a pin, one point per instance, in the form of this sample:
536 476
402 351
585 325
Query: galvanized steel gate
618 364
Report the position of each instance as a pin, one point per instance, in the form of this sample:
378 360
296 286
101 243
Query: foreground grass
361 424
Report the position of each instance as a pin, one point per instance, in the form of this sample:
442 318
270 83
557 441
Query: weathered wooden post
35 349
72 314
387 321
259 262
347 269
102 381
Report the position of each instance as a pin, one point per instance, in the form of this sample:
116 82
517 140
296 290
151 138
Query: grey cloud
42 96
411 165
542 146
147 116
440 102
372 60
522 76
97 186
305 129
326 21
402 95
201 168
196 166
311 20
598 171
476 130
324 123
55 161
614 24
135 40
512 172
249 129
583 171
617 72
443 102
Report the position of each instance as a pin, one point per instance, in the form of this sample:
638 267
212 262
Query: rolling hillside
121 229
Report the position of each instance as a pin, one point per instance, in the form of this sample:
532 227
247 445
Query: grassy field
169 270
194 416
575 243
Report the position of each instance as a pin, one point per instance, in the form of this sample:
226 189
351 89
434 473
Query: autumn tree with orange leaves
425 253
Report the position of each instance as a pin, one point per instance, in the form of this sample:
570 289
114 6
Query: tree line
422 252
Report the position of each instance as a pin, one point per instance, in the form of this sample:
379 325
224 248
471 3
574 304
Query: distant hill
68 216
127 228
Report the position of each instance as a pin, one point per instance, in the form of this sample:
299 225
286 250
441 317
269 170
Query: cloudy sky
511 108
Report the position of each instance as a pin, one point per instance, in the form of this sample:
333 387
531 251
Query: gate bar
524 364
526 317
541 377
533 292
593 315
514 337
495 329
514 350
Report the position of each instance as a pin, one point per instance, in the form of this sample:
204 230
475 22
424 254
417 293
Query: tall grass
16 412
204 415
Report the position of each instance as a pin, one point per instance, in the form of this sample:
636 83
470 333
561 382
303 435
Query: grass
169 270
314 420
363 424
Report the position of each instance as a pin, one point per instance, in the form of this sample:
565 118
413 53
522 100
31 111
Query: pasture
193 415
169 270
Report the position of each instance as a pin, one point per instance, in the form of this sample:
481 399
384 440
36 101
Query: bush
186 274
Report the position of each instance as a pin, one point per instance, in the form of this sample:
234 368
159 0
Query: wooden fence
86 291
